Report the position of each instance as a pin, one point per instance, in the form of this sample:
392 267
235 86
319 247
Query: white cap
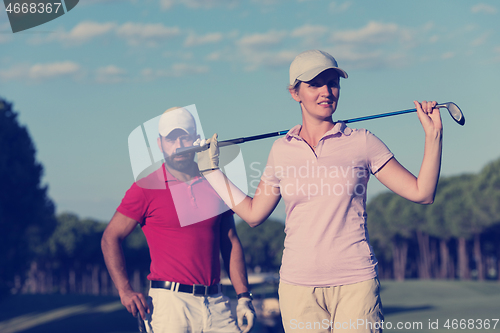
307 65
175 118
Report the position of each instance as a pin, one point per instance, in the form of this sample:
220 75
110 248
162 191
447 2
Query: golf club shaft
269 135
140 323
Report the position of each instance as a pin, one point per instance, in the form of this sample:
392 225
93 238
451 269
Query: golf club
140 323
452 108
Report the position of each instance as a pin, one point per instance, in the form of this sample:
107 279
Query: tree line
455 237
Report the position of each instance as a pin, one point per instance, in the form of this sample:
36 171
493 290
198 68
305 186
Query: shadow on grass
64 313
388 310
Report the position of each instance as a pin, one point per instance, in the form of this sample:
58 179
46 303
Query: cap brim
172 129
312 73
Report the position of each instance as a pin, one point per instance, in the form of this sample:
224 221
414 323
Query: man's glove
208 159
245 309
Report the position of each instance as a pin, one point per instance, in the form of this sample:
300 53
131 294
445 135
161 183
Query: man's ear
159 143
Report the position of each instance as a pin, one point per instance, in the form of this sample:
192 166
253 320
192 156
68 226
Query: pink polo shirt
327 241
181 222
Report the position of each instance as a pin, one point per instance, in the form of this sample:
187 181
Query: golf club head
454 111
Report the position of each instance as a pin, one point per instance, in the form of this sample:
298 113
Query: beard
183 165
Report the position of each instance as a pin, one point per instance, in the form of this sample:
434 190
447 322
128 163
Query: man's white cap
175 118
307 65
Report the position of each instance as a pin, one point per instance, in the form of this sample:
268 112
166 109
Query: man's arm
117 230
232 254
234 262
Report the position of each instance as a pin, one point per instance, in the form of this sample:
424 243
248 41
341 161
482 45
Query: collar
169 178
339 127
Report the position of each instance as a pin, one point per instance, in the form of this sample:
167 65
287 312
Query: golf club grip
196 149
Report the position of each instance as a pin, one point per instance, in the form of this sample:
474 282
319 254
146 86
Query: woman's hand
429 117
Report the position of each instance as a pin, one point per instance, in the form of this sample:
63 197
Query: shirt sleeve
377 153
269 174
133 204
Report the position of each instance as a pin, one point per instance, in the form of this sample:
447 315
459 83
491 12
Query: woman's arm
421 189
254 210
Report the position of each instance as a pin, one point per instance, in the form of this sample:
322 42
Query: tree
441 227
263 245
26 212
391 226
486 194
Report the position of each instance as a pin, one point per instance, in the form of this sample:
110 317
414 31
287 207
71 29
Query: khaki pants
351 308
174 312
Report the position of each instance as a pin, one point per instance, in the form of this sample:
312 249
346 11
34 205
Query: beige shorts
350 308
176 312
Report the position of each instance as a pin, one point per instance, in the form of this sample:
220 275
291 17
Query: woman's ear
294 93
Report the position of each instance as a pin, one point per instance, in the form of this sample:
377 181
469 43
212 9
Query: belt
195 289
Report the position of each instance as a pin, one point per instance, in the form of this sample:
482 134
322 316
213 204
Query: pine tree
26 213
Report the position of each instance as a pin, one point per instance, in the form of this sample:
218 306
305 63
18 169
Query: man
186 225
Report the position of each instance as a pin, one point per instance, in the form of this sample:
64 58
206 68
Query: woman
328 277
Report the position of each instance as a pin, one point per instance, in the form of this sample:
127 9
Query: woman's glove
208 159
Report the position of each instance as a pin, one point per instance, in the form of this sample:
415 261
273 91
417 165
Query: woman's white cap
175 118
307 65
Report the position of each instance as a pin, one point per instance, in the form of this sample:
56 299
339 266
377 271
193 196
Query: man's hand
245 309
135 302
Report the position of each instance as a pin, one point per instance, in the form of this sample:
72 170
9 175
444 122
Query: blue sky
83 82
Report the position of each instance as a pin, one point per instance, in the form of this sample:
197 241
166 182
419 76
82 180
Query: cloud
197 4
267 59
350 57
90 2
483 9
336 7
261 41
176 70
480 40
210 38
133 33
87 30
448 55
372 33
310 35
41 72
259 50
110 74
5 37
377 45
138 33
309 31
496 54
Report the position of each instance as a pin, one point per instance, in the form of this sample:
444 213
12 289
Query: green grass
430 301
409 302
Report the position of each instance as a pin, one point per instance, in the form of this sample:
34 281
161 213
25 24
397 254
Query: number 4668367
33 8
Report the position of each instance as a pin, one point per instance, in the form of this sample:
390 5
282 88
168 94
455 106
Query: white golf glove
245 309
208 159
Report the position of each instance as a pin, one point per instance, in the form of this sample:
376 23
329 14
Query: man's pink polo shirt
181 222
327 241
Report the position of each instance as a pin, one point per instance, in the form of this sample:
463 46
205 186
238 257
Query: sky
84 81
